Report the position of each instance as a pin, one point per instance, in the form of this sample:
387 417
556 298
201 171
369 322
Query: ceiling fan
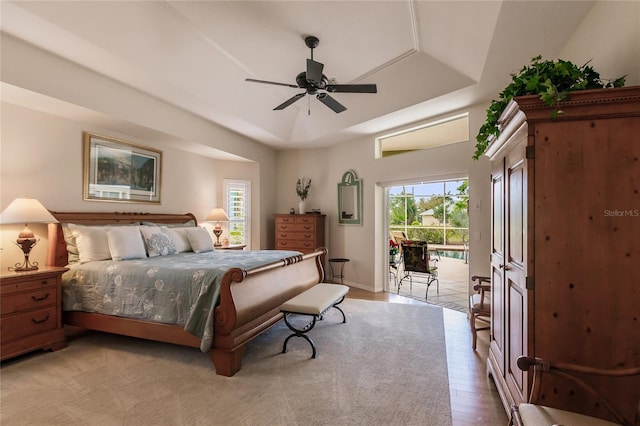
315 83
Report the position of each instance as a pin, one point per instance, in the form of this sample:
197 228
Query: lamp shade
217 215
26 210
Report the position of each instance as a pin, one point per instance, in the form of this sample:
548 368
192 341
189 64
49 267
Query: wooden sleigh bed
248 303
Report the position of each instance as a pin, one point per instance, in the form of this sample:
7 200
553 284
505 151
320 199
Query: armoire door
514 268
496 343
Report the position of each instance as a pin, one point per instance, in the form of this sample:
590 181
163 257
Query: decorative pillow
187 224
72 248
125 242
199 239
91 241
158 240
180 239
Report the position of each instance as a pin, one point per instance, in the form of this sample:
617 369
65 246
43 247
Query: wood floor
474 398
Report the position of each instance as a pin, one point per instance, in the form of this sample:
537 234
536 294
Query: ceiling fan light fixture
312 80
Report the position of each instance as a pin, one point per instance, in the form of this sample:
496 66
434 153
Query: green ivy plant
552 80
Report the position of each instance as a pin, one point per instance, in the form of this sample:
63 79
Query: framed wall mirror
350 199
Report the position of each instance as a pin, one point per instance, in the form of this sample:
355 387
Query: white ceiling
426 57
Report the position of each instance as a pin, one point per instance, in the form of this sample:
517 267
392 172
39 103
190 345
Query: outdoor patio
453 275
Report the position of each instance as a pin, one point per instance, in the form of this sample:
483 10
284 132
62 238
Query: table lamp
217 215
26 210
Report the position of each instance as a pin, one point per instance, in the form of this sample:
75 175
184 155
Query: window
435 212
237 204
442 132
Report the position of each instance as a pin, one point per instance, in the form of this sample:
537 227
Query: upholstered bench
314 302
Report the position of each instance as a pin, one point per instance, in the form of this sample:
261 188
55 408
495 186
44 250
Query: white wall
609 37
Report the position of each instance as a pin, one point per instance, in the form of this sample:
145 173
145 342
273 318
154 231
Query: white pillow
91 241
199 239
158 240
180 239
125 242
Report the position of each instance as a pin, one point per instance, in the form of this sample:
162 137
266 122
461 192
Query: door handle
504 267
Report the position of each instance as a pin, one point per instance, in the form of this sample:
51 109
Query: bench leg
335 305
300 333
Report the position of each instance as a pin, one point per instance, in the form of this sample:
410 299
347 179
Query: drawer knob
45 282
35 321
41 298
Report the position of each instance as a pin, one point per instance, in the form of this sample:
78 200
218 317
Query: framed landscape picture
115 170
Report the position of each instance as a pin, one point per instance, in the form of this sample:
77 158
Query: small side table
340 261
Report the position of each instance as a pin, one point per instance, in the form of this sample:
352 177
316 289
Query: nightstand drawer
28 323
12 303
28 284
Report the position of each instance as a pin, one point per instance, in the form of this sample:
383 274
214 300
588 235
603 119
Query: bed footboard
250 304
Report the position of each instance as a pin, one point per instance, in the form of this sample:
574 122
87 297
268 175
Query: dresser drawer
16 302
296 220
27 284
28 323
303 246
304 236
302 227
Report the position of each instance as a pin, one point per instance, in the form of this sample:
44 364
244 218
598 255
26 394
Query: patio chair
416 261
479 306
581 380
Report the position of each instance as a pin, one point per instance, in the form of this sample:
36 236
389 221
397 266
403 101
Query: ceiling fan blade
352 88
253 80
290 101
330 102
314 71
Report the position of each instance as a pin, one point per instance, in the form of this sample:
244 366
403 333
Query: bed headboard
57 251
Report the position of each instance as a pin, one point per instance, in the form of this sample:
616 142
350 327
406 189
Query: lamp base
217 231
23 268
25 244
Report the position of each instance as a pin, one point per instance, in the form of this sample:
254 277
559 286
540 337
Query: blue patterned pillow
158 240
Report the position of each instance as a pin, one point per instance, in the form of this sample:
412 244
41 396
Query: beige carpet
385 366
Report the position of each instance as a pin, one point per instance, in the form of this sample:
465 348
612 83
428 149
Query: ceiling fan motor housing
310 85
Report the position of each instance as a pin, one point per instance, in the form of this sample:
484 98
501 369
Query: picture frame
119 171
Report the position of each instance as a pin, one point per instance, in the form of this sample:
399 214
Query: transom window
437 133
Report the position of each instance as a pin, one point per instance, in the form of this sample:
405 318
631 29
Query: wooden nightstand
30 311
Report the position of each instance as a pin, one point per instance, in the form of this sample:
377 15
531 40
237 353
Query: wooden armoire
565 258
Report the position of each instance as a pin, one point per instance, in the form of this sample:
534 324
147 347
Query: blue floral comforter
177 289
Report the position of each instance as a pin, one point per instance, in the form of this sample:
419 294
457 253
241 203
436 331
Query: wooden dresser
301 232
30 308
565 247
